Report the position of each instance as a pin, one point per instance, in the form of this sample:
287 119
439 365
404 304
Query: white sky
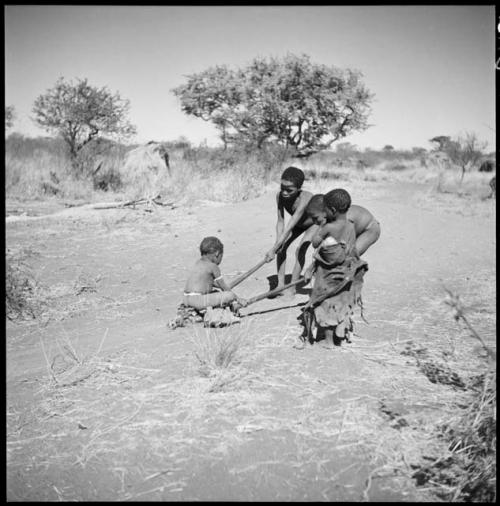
432 68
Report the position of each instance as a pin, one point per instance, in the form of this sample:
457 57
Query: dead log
96 206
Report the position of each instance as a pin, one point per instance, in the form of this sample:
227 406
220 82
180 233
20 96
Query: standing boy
294 200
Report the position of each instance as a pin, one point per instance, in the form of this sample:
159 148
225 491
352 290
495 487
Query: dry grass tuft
68 367
454 302
467 472
221 354
472 441
23 293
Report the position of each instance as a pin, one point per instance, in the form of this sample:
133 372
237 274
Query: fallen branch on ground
113 205
458 313
97 206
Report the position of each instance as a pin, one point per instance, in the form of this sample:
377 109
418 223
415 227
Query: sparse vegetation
22 290
465 152
470 468
225 392
463 467
79 113
220 353
467 472
40 168
261 102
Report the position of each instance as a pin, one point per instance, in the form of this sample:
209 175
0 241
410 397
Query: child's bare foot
279 294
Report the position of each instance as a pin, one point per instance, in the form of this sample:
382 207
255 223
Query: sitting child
205 287
337 267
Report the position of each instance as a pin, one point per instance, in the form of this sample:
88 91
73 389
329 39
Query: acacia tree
290 101
465 152
79 113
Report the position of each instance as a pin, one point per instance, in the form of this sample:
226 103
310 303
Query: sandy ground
105 402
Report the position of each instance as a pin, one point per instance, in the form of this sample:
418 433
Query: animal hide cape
211 317
336 290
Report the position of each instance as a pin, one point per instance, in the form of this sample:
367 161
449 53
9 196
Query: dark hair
294 175
211 245
317 203
338 200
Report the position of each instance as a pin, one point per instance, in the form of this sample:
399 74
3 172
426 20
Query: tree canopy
441 141
79 112
291 101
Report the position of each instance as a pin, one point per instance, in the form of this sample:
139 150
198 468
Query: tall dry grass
41 168
466 472
221 354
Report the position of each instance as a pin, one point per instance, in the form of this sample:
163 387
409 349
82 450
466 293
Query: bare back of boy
199 289
367 228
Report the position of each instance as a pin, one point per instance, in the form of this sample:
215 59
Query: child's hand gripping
270 255
238 303
308 273
242 302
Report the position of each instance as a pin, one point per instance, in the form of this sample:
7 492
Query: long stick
273 292
245 275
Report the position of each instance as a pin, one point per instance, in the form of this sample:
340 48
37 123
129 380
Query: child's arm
219 282
319 236
294 219
308 273
279 227
219 279
222 284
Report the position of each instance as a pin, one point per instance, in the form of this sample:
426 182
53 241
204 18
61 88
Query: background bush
41 167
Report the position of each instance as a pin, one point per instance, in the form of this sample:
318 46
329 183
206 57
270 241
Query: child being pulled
336 265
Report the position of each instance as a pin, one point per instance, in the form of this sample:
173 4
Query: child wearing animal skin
333 228
337 268
294 200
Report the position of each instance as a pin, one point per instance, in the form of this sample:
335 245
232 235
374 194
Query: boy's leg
214 299
281 257
368 237
300 256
